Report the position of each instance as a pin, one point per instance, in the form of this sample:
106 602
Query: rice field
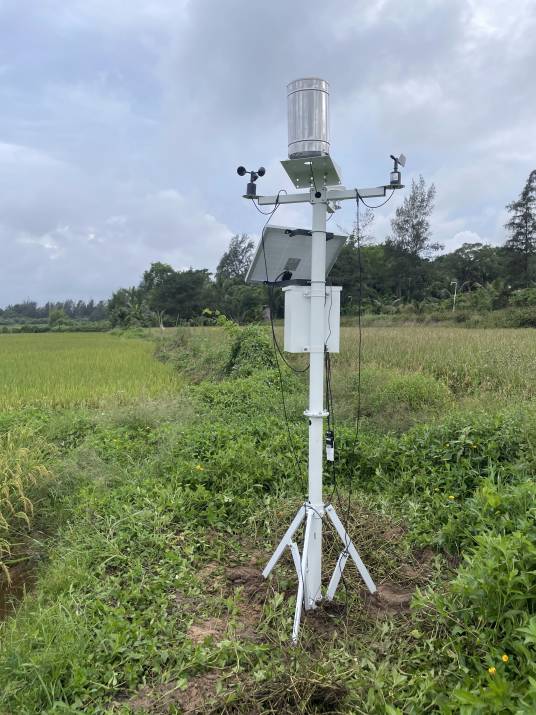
469 362
79 369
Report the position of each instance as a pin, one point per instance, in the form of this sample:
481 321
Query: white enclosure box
298 318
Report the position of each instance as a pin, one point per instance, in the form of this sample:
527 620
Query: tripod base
307 512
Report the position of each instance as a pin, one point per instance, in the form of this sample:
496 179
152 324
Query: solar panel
284 255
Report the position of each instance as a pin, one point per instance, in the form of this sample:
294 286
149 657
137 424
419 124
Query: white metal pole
313 559
455 283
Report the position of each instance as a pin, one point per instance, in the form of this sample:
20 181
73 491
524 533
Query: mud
22 580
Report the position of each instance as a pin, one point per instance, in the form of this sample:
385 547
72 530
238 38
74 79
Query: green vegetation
489 363
78 369
66 316
151 521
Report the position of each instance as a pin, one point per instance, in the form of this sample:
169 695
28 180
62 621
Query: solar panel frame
283 249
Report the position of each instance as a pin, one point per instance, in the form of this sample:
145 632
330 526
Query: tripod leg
348 546
310 598
299 598
337 573
285 541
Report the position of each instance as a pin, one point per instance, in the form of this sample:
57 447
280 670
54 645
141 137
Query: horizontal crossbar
335 194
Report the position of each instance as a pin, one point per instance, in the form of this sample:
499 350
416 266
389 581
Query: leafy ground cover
156 518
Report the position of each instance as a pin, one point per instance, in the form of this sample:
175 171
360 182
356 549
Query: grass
40 373
63 370
501 362
157 517
469 361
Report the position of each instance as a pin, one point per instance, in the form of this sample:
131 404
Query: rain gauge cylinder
308 118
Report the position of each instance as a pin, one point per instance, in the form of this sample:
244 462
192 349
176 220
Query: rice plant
21 467
87 369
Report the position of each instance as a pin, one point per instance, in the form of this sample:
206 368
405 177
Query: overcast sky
122 123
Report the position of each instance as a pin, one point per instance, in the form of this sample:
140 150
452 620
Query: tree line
406 272
54 312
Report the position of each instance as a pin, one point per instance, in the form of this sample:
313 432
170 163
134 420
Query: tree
411 225
232 296
128 308
411 242
522 228
181 294
235 261
363 268
240 301
57 316
471 263
156 276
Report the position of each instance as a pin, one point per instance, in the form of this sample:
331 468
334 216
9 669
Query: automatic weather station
298 260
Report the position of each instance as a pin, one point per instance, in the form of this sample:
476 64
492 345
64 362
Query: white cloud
55 244
120 131
465 237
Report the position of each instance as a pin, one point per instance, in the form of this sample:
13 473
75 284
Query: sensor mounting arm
335 194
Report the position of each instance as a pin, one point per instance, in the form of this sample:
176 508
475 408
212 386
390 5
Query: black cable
331 427
358 195
331 422
280 374
359 311
329 393
359 346
335 486
267 213
270 287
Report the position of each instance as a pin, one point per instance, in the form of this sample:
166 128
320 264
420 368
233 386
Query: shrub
415 390
524 297
433 472
251 350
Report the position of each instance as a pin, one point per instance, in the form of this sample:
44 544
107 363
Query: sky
122 123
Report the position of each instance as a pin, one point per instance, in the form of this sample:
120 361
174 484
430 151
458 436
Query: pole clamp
320 413
319 199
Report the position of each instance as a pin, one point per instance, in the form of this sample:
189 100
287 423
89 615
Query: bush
434 473
524 297
251 350
415 390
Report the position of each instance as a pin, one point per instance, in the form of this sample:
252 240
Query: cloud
65 237
465 237
121 129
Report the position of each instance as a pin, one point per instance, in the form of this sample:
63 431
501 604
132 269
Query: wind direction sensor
300 260
395 174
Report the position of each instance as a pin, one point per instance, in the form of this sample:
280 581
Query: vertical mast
316 412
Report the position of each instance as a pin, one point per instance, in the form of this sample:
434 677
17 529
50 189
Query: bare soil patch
199 692
210 628
22 579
